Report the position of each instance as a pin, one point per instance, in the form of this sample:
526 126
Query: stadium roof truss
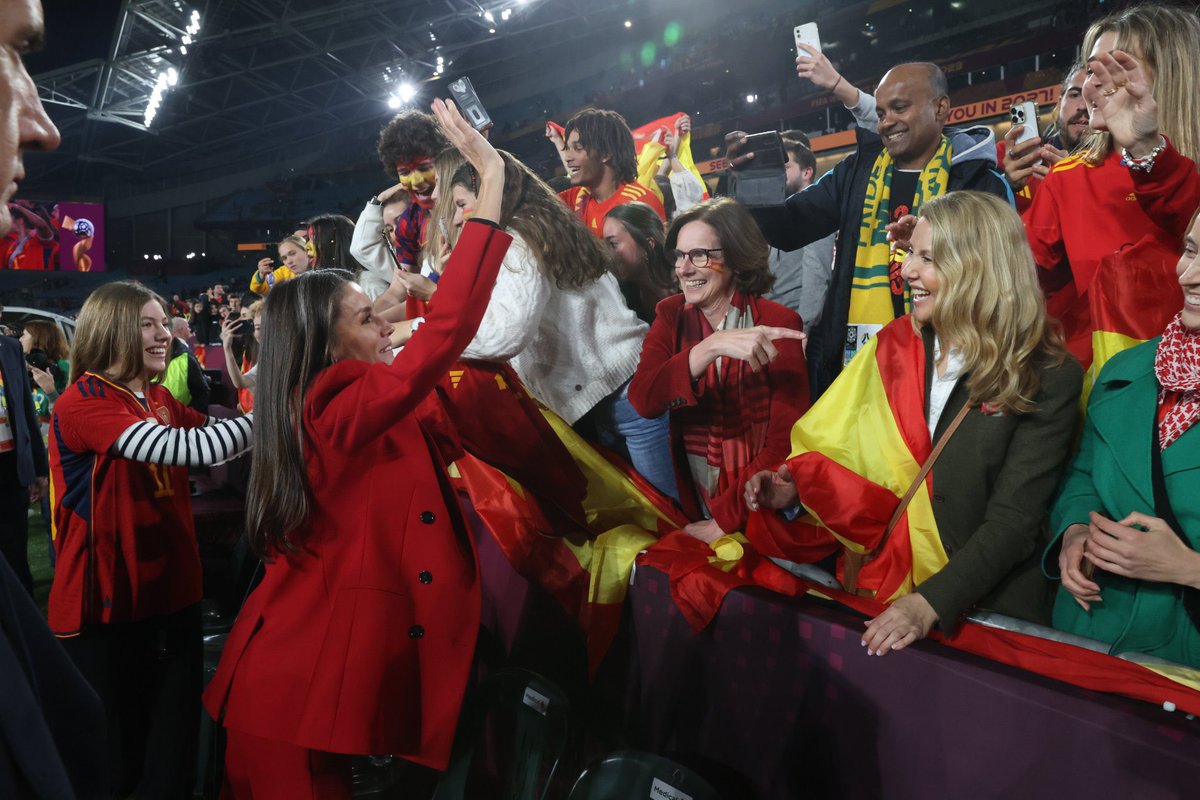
262 79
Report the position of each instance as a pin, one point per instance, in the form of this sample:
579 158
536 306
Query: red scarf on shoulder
1177 367
735 399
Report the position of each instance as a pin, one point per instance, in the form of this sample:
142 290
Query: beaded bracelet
1146 162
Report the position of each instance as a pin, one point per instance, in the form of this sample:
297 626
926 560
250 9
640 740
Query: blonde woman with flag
976 378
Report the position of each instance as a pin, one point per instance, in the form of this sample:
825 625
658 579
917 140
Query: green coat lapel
1122 414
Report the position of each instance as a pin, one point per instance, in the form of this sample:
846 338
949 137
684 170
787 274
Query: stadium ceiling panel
190 86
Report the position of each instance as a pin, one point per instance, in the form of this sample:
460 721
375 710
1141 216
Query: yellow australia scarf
871 291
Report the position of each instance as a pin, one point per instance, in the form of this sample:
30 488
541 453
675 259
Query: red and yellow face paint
419 178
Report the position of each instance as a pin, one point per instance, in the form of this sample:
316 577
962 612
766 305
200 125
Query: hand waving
1121 102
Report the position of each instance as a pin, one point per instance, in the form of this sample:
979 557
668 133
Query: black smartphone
767 148
469 104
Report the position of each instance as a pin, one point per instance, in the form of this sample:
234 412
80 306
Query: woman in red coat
727 363
360 637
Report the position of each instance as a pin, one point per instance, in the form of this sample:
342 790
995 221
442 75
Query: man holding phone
911 160
1027 162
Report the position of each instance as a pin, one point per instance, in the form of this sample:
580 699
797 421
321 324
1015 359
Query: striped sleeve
215 443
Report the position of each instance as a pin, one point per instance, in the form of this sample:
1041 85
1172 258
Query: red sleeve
788 380
1044 229
663 379
1169 193
568 196
353 402
651 199
92 423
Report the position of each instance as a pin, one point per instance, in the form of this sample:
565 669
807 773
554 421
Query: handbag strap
917 481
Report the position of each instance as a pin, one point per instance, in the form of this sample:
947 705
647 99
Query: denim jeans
644 443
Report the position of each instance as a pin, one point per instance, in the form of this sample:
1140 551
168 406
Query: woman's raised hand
481 155
468 141
1118 90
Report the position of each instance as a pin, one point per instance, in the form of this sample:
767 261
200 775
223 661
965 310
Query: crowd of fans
890 371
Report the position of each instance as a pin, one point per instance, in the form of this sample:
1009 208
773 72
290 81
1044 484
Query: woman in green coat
1129 509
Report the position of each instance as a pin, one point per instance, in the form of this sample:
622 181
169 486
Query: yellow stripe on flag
853 424
1105 345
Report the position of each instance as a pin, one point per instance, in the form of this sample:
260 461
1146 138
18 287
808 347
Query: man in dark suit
23 465
51 722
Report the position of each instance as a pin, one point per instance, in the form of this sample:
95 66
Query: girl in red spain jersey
127 586
360 637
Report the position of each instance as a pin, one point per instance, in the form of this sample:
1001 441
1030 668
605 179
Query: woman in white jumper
558 317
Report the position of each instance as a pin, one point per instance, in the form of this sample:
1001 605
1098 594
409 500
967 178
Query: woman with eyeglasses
727 363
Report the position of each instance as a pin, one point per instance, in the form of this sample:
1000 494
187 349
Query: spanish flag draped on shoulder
1133 296
854 455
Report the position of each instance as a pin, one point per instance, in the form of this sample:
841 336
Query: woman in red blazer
727 363
360 637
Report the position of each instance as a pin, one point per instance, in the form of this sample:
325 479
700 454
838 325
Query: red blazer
663 382
362 641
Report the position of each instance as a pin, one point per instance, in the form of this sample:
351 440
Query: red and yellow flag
1133 296
856 452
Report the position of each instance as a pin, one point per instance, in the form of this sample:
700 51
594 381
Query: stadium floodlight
406 92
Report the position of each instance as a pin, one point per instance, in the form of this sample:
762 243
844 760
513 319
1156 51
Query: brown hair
567 252
742 244
298 340
47 337
605 135
108 333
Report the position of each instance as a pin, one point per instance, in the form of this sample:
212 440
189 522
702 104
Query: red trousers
266 769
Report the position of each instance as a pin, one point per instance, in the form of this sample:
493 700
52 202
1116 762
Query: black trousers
148 675
14 520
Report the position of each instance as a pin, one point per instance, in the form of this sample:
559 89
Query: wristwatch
374 201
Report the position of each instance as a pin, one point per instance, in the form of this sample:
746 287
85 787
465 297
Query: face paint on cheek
416 175
309 247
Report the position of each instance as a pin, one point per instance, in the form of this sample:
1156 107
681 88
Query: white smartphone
1025 115
807 34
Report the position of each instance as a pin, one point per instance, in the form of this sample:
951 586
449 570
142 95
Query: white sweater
570 347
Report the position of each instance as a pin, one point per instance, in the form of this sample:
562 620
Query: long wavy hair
745 251
1165 38
989 304
108 333
297 343
441 218
566 251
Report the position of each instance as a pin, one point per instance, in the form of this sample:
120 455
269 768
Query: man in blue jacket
912 159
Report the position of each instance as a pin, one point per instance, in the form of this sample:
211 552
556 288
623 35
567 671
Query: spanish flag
1133 296
854 455
586 571
650 151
